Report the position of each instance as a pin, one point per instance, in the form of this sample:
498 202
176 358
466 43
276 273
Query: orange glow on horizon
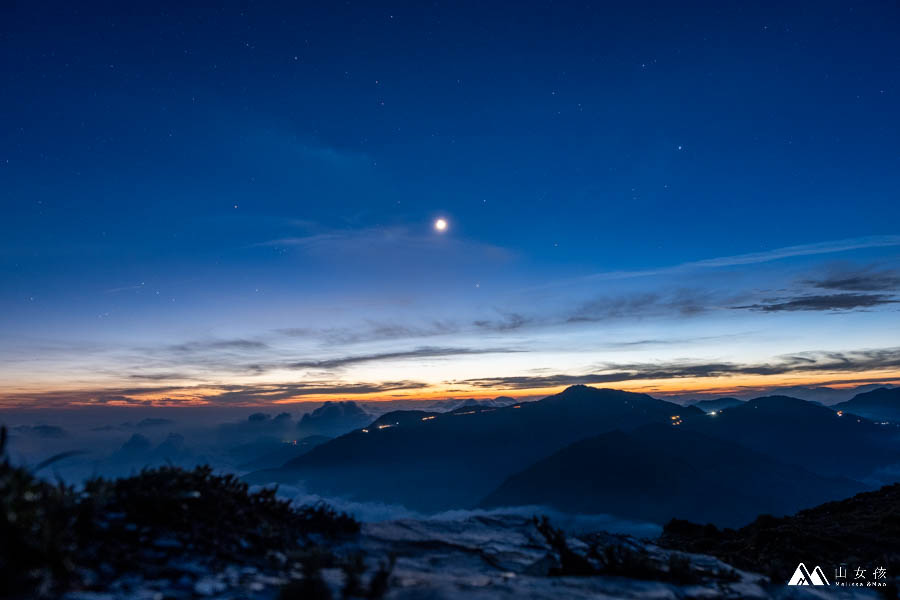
205 395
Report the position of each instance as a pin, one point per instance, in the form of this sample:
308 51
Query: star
440 225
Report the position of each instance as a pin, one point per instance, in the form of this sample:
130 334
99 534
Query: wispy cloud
164 376
507 322
805 362
206 345
127 288
682 302
216 395
209 360
830 247
264 394
366 240
417 353
373 331
865 279
829 302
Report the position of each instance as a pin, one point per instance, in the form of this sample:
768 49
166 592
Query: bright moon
440 224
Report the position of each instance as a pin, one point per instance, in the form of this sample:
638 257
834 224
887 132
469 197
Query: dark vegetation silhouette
861 530
606 555
55 537
311 584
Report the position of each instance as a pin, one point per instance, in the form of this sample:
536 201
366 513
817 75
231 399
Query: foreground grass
861 531
621 560
54 537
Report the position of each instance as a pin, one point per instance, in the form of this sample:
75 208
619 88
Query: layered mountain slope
660 472
805 434
862 530
717 404
280 452
453 460
880 405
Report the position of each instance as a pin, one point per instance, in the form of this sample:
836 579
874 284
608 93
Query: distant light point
440 225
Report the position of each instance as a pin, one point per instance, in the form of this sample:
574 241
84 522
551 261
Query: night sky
238 205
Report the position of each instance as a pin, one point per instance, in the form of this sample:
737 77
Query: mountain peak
581 391
782 403
333 419
885 394
882 404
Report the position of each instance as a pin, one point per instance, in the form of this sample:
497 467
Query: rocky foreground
170 533
487 557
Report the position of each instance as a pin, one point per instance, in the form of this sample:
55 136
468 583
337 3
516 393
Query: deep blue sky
175 177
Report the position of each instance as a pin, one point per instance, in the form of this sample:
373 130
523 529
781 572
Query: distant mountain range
717 404
139 452
448 405
280 452
821 394
879 405
805 434
454 459
333 419
604 451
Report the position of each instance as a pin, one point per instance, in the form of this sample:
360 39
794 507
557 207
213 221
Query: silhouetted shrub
863 529
570 563
51 534
354 568
38 529
311 585
621 559
320 518
380 582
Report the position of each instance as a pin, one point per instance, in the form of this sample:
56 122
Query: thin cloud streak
222 395
805 362
364 241
423 352
829 247
866 279
828 303
230 357
233 344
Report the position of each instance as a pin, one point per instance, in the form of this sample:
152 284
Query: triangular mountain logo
802 576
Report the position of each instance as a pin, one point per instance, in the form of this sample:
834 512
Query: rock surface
479 557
